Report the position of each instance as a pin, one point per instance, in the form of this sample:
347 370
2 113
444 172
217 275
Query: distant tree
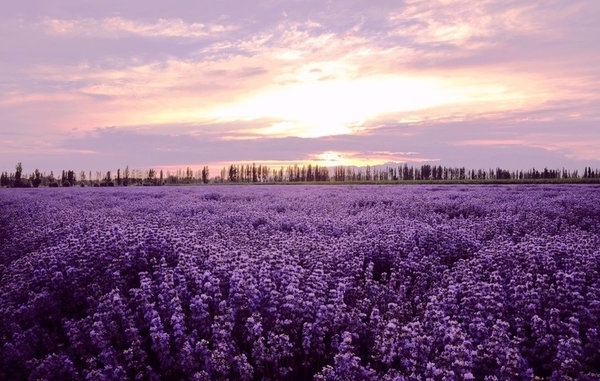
350 174
71 177
309 173
205 174
425 172
321 173
82 178
67 178
18 174
589 173
36 178
63 179
150 177
4 179
126 176
232 175
248 176
254 173
107 181
417 174
502 174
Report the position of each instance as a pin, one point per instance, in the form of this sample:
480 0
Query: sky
98 85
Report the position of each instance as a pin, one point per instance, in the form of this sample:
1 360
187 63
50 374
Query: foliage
300 283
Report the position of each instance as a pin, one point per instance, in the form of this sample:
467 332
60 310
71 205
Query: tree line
259 173
120 177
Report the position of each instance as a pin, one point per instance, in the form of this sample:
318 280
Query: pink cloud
293 71
475 25
116 27
491 142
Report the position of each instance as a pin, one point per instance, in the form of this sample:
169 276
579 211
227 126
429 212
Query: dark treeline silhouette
259 173
122 177
252 173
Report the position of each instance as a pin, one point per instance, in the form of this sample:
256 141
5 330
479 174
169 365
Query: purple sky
97 85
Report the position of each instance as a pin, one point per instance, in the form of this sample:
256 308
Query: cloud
474 25
444 79
488 144
491 141
118 27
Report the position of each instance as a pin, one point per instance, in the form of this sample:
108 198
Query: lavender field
301 283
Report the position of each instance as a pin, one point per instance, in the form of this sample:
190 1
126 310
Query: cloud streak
118 27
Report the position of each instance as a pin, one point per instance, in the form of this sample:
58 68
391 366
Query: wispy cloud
118 27
475 25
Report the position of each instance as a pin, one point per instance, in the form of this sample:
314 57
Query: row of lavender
293 282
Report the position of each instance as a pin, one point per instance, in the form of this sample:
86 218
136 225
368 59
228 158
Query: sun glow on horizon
334 107
328 159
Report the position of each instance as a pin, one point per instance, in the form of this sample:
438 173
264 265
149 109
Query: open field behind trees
301 283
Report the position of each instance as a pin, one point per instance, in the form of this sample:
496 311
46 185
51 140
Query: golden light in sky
334 107
451 80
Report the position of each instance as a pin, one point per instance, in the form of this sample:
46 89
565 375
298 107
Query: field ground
336 282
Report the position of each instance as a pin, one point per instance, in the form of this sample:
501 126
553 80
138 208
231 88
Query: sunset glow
315 109
451 81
